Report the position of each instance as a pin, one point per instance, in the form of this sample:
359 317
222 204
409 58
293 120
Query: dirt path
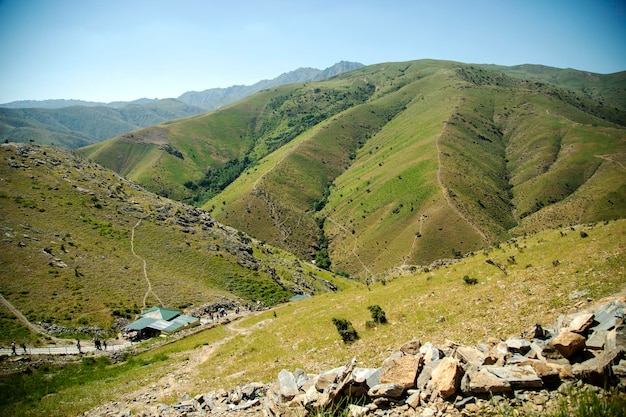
181 377
22 318
607 158
145 272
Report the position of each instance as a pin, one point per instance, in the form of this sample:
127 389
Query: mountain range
76 123
397 164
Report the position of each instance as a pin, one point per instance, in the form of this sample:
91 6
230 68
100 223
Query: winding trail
145 272
607 158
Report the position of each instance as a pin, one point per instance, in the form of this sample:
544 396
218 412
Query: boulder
480 381
401 371
367 376
517 345
473 356
430 352
520 377
287 384
568 343
579 323
412 347
446 377
597 340
598 370
386 390
603 320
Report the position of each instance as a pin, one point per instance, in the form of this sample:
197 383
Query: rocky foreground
533 372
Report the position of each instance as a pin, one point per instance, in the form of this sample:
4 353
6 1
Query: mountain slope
77 237
390 165
214 98
77 126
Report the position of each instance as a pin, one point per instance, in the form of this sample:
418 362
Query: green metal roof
161 313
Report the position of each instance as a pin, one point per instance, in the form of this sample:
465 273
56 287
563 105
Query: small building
159 321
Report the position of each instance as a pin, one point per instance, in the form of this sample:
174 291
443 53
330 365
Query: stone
325 381
473 356
413 400
446 377
386 390
287 383
597 340
520 377
425 374
301 377
603 320
430 352
568 343
535 332
548 374
368 376
517 345
401 371
480 381
412 347
598 371
580 322
357 411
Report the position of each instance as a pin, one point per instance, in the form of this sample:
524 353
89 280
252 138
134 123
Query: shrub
378 315
346 331
470 281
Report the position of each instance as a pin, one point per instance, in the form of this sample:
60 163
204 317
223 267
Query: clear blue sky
110 50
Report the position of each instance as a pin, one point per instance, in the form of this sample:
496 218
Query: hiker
13 352
104 344
24 348
78 345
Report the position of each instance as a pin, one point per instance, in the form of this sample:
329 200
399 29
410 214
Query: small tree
378 315
346 331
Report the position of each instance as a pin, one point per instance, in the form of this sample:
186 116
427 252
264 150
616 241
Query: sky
122 50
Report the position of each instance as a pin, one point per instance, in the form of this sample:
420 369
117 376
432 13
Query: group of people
98 344
14 348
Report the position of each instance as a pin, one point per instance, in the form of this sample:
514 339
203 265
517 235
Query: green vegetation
534 291
80 125
346 331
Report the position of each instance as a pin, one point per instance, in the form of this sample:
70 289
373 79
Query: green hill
77 237
77 126
393 165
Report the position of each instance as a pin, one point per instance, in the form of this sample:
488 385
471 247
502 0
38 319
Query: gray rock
386 390
472 356
301 377
481 381
426 373
603 320
517 345
369 376
357 411
597 340
430 352
287 384
520 377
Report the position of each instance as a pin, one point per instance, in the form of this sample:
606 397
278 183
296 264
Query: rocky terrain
534 372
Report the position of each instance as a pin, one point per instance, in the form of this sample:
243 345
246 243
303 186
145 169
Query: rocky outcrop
449 380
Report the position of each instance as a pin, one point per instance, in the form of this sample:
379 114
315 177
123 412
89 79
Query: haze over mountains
76 123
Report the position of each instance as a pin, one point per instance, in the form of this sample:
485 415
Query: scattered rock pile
585 348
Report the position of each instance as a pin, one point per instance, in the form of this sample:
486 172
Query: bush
470 281
378 315
346 331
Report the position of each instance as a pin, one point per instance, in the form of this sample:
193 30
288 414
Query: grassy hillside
533 290
78 126
395 164
69 231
